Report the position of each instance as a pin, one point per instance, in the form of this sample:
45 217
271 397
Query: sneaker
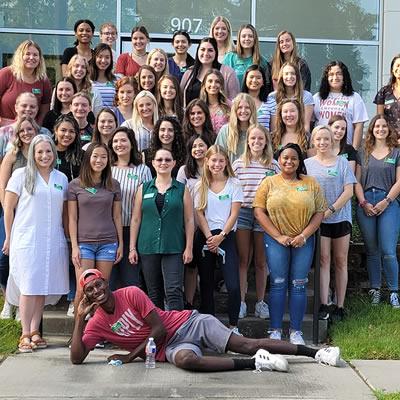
17 316
338 314
394 300
375 295
235 331
7 312
266 361
323 312
328 356
296 337
275 335
243 310
71 310
262 310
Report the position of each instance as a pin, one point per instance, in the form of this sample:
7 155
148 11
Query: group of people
154 170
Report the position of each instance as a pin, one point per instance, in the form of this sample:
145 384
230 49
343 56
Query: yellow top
290 204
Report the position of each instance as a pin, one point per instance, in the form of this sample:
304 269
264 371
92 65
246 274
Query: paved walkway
48 374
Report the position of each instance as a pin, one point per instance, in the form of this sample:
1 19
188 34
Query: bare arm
73 232
346 195
189 226
381 206
117 217
64 69
65 219
359 190
357 134
43 110
136 220
10 203
380 109
5 173
308 113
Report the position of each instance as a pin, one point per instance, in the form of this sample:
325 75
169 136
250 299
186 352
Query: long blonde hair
86 84
228 44
17 63
161 51
267 154
206 178
136 118
233 125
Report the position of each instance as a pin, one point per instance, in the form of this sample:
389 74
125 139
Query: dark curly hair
301 169
324 88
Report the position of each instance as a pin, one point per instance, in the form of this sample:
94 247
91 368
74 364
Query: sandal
39 343
23 346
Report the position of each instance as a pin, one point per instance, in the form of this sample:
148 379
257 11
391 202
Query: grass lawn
368 333
387 396
10 332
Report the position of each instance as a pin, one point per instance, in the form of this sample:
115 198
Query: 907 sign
191 25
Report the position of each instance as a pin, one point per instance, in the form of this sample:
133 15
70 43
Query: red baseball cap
89 275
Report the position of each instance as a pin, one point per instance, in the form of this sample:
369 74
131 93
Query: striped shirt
107 92
129 180
142 134
251 176
265 112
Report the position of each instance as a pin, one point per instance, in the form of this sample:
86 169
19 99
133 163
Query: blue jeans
289 268
380 234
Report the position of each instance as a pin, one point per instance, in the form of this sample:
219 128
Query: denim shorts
247 221
98 251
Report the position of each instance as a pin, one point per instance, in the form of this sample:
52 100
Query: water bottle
151 349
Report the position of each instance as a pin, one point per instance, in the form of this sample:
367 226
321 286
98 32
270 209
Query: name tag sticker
116 326
58 162
345 155
332 172
148 196
132 176
269 173
59 187
302 188
109 84
91 190
86 137
390 101
223 197
36 91
390 160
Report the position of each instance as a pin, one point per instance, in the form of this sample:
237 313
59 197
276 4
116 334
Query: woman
338 125
255 84
197 121
336 96
290 86
78 69
80 109
181 60
232 136
158 59
165 241
84 31
206 58
251 168
290 126
377 189
64 90
144 117
189 174
101 74
69 159
289 207
167 134
27 73
247 53
126 90
212 94
147 79
128 64
128 169
387 99
169 97
337 180
35 241
94 213
105 125
217 201
286 50
221 31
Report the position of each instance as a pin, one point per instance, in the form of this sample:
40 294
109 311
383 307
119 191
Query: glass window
329 19
55 14
194 16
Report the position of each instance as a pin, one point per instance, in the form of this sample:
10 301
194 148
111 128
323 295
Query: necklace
139 55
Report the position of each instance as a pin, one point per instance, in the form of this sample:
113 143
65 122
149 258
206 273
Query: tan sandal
23 346
39 343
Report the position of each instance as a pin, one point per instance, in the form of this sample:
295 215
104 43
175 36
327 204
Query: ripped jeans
288 268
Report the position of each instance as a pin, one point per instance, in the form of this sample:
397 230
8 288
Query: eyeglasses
160 160
109 33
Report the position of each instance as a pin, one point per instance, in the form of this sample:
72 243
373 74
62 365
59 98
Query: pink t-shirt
127 327
10 88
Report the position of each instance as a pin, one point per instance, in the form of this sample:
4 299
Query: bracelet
332 209
363 203
132 249
388 199
304 238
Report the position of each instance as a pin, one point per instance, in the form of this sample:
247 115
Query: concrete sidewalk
48 374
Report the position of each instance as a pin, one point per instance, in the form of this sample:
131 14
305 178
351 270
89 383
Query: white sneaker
262 310
328 356
394 300
265 361
243 310
275 335
235 331
17 316
296 337
71 310
7 311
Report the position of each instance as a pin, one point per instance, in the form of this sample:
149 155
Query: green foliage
387 396
368 332
10 332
